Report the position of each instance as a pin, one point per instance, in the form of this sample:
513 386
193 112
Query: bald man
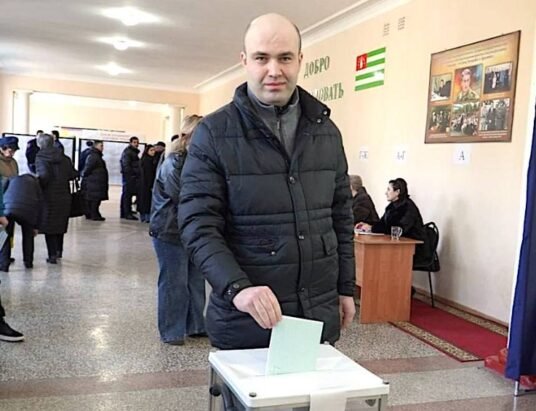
265 203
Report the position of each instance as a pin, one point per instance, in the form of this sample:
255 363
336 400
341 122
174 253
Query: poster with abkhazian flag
370 69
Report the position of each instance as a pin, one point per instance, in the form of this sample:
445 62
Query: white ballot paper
294 346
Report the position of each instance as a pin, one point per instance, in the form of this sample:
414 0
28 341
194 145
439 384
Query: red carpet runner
463 336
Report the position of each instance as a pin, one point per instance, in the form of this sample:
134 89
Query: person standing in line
95 181
265 202
54 170
31 151
148 172
57 142
160 148
130 171
6 332
84 154
8 170
181 286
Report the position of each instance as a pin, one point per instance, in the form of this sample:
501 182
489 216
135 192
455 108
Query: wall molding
341 21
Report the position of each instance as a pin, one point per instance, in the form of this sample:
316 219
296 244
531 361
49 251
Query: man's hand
3 221
346 310
261 304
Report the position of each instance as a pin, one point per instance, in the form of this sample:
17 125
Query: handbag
78 203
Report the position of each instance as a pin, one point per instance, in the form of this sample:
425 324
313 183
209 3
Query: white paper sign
462 154
401 154
363 154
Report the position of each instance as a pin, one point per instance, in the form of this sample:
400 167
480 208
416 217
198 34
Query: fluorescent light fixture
121 43
113 69
130 16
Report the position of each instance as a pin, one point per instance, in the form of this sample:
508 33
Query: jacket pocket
329 241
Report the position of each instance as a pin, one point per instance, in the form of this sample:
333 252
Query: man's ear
243 58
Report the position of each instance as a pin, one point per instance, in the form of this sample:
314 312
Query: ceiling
193 40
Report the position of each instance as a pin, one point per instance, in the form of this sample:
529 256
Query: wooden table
383 271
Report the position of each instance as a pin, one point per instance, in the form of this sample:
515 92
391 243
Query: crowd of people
46 190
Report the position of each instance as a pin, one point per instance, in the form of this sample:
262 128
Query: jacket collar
311 108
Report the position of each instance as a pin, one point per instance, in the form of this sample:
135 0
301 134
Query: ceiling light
121 43
130 16
113 69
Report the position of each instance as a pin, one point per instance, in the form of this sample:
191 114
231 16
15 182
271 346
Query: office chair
431 264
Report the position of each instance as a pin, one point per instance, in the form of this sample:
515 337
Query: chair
431 263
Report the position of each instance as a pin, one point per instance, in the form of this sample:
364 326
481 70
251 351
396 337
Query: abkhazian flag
370 69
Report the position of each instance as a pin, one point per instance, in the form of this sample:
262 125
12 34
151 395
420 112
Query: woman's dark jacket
54 170
130 169
95 177
363 208
166 199
23 199
248 214
404 213
148 173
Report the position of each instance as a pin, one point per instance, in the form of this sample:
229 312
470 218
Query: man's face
466 82
272 61
135 143
8 152
99 146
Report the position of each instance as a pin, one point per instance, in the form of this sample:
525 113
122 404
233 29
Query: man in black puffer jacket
130 170
265 204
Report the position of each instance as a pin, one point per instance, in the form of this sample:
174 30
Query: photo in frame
471 92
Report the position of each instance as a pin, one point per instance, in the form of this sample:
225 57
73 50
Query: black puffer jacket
95 177
248 213
166 199
23 199
130 169
54 170
145 188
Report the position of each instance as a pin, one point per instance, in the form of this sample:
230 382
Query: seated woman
401 212
362 205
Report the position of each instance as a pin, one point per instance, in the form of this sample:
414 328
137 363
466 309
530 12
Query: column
174 118
21 111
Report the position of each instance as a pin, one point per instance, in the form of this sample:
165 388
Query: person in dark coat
31 151
9 169
160 148
362 205
57 142
181 287
54 170
130 171
401 212
148 173
6 332
265 201
84 154
95 181
23 200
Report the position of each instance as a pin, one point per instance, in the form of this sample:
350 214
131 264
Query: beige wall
476 206
47 114
105 118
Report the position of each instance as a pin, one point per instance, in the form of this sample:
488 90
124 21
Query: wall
9 83
476 206
47 113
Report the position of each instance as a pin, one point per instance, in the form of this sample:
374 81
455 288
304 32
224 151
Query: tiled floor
92 343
